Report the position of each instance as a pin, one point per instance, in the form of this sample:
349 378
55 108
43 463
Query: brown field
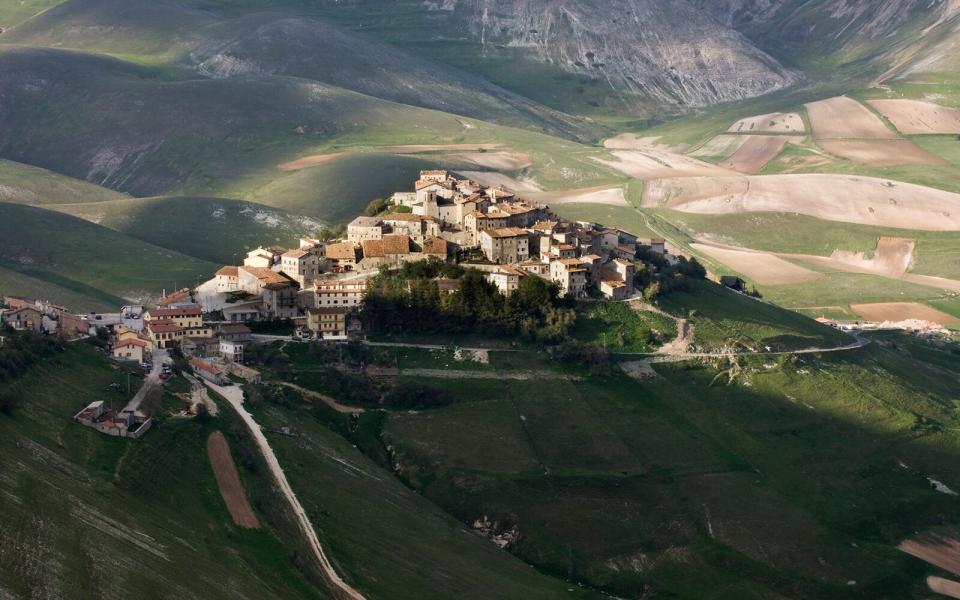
595 195
493 179
418 148
845 118
229 482
312 161
850 199
915 117
881 153
770 123
653 164
722 145
759 267
758 150
507 161
944 587
896 312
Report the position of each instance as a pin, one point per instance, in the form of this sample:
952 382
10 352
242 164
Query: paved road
234 396
150 381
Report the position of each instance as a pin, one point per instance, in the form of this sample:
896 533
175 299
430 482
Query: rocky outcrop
672 52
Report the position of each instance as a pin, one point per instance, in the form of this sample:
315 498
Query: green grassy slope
13 13
212 229
23 184
936 253
387 538
281 38
784 484
87 259
85 515
225 137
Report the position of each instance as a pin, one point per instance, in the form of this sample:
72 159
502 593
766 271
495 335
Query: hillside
80 508
99 264
212 229
260 38
23 184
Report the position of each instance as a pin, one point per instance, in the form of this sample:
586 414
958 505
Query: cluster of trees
21 350
18 353
657 277
410 302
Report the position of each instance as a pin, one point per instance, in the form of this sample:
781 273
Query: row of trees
410 302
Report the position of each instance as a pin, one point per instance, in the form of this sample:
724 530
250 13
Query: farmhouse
133 350
208 371
24 318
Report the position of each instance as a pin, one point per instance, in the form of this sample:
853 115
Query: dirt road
234 396
341 408
151 381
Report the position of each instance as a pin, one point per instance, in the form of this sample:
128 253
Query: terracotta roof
365 222
506 232
132 342
396 244
435 246
497 214
296 253
615 283
342 251
545 225
266 276
592 257
372 248
204 366
620 261
168 313
175 297
163 327
239 328
423 183
406 217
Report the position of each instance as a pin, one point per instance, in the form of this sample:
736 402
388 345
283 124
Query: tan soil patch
612 196
493 179
757 151
418 148
312 161
891 258
915 117
881 153
656 164
941 552
722 145
944 586
896 312
845 118
508 161
759 267
850 199
228 480
770 123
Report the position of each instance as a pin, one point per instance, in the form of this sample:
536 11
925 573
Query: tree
652 291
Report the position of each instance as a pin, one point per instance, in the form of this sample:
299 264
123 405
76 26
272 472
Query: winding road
234 395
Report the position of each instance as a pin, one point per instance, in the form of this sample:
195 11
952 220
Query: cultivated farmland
916 117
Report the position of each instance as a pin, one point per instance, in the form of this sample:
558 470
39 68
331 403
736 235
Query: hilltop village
319 287
445 219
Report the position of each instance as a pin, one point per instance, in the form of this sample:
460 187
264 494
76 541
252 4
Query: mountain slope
269 39
100 264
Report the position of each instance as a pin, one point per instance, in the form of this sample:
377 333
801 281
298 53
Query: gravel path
234 395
